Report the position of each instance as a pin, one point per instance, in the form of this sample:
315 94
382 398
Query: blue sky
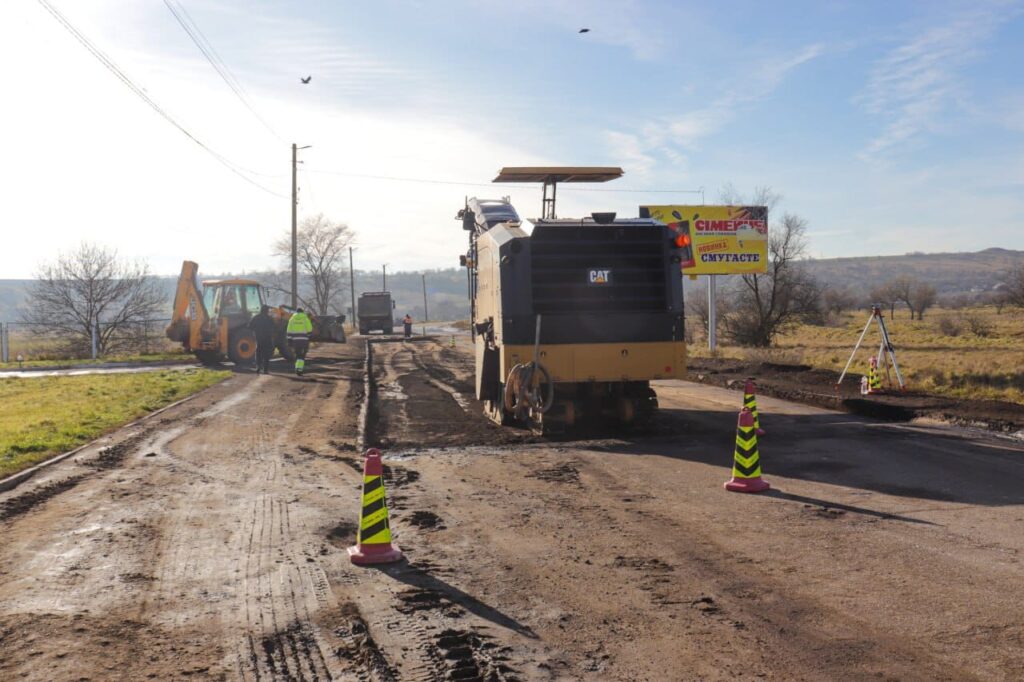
891 127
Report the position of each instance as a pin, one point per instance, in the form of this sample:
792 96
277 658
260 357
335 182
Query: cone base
365 555
747 485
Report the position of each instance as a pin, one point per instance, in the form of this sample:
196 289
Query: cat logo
599 277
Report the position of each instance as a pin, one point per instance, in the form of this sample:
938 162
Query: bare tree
762 196
321 257
922 297
838 300
1013 292
917 295
901 288
765 305
697 306
91 289
886 296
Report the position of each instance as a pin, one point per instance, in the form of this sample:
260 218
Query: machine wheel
208 357
286 351
242 347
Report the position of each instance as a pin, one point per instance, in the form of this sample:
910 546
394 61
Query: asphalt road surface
209 542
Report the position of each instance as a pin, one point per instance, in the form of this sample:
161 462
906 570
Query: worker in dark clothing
263 327
407 321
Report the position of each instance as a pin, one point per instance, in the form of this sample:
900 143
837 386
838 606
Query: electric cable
114 69
197 36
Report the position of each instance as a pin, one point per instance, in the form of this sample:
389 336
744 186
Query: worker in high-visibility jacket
299 329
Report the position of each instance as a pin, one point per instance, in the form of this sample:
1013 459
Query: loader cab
234 298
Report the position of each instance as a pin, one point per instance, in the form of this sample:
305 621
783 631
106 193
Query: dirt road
209 543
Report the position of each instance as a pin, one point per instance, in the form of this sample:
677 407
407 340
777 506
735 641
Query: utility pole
295 227
426 315
352 284
385 288
295 224
712 314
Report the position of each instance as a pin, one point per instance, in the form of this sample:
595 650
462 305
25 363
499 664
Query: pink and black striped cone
750 402
746 466
373 545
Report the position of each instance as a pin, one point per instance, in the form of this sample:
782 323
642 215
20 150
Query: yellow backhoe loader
212 321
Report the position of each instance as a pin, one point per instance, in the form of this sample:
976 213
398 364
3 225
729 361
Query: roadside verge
47 419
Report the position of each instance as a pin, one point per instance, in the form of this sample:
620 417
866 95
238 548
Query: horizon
457 268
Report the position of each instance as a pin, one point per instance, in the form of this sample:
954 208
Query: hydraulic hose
523 389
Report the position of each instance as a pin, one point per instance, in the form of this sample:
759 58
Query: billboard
727 240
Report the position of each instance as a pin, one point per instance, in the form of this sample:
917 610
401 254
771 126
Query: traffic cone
452 344
746 466
750 403
874 378
374 545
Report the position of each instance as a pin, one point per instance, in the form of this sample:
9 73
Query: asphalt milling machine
211 321
573 321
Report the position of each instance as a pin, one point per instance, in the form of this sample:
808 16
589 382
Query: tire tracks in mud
148 437
109 457
424 631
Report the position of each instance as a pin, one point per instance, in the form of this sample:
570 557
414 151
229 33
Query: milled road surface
209 543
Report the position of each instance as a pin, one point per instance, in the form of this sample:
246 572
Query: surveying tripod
886 351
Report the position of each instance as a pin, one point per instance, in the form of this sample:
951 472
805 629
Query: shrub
978 325
949 326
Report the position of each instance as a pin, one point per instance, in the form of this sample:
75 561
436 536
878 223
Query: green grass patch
140 358
43 416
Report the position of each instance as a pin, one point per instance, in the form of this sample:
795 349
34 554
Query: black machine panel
599 268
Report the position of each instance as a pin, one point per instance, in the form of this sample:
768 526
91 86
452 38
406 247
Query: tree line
90 294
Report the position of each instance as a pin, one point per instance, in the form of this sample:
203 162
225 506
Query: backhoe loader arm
189 314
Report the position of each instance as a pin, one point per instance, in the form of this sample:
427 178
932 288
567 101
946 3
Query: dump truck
574 320
212 320
375 310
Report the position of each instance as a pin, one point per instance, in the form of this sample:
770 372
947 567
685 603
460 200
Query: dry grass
984 360
47 415
48 351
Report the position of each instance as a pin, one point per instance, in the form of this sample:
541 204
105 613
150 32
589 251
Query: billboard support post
712 316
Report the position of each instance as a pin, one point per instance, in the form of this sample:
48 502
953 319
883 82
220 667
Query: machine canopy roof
558 174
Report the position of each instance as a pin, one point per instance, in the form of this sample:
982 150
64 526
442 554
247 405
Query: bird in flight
584 30
305 81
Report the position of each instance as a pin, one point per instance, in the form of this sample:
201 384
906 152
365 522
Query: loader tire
242 347
286 351
208 358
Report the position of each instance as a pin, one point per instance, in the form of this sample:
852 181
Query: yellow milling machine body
606 296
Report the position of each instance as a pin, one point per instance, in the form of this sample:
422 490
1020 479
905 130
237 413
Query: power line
114 69
561 188
190 27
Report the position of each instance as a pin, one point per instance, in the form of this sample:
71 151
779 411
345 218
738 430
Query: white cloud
916 85
629 148
672 136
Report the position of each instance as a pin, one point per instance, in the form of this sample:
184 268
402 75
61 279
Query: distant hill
950 273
